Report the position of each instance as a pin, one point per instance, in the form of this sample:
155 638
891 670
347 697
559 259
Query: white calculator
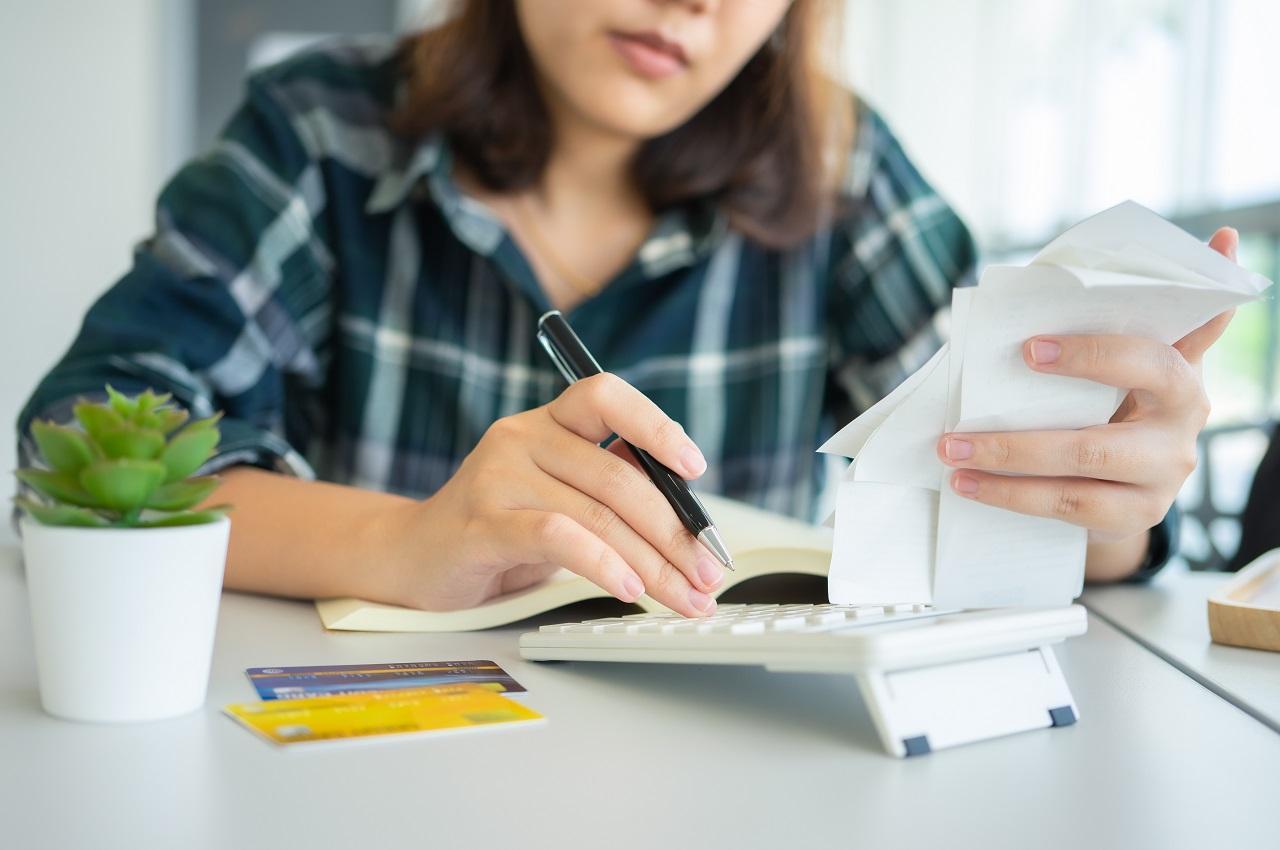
931 678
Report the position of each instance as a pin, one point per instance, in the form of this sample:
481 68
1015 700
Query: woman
354 272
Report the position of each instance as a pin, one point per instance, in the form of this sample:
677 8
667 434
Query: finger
1195 344
556 539
1097 505
605 404
1128 362
662 580
1226 241
627 493
619 448
1108 452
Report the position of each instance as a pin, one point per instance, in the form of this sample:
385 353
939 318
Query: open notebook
762 543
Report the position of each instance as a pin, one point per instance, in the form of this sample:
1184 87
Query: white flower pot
124 618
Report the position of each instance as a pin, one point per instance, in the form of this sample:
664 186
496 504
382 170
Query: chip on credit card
381 713
274 683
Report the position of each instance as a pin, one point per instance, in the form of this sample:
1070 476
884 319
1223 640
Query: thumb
1226 241
1195 344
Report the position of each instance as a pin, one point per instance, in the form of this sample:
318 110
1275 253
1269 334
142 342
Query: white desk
632 756
1170 617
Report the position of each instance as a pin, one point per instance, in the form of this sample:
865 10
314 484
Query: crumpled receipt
901 534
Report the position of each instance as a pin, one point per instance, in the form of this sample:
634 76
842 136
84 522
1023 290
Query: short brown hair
768 149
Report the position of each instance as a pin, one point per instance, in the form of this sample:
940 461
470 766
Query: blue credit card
298 682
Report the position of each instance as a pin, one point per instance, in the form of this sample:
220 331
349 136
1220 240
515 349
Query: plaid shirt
358 319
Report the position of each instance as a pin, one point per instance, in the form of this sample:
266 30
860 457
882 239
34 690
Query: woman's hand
538 493
1117 480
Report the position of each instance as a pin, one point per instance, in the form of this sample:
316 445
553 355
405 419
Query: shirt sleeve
226 304
896 254
1260 521
1162 547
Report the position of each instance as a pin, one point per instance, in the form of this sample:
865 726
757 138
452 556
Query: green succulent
128 465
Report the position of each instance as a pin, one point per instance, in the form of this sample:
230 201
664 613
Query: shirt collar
430 168
680 236
393 188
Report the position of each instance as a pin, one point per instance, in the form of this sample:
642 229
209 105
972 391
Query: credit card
449 708
298 682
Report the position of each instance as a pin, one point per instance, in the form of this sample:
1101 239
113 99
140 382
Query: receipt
901 534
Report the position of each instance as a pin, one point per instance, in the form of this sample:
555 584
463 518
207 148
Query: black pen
575 363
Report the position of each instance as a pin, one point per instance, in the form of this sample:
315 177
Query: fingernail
633 587
709 571
693 461
958 449
1044 351
965 485
701 601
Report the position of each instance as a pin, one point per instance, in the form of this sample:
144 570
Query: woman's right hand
538 493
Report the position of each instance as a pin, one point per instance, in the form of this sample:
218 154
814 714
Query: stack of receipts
901 533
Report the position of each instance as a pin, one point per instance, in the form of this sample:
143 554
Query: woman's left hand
1117 480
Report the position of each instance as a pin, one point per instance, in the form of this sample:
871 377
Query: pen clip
556 358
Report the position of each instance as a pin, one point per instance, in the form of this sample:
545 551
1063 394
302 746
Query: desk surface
1170 617
695 756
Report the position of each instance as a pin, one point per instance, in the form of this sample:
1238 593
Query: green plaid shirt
358 319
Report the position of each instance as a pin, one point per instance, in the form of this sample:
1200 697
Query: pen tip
711 538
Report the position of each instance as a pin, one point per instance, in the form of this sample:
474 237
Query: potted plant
124 574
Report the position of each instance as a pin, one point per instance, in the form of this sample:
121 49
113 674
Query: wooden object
1246 610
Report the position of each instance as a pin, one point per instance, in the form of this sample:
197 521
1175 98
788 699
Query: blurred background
1026 114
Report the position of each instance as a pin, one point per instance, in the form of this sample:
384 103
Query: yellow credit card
376 713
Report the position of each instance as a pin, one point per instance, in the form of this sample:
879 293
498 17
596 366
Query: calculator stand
927 708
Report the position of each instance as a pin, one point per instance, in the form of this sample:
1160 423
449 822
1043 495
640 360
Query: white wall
82 156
